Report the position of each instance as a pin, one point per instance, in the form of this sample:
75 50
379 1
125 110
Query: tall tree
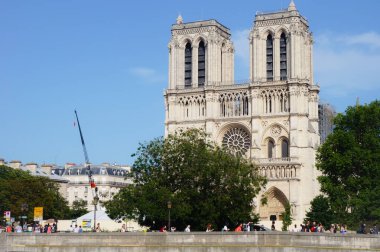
78 208
204 183
320 211
18 188
350 164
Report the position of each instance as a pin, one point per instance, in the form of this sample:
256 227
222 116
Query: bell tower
281 47
200 54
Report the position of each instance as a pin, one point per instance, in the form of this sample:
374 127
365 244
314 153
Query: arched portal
276 202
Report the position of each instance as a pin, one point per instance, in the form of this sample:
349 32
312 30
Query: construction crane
93 186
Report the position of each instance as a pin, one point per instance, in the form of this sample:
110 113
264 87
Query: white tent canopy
100 216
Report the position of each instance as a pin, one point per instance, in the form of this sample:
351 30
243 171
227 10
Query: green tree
204 183
78 208
286 218
18 187
350 164
320 211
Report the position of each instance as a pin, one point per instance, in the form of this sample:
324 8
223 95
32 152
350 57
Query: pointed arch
201 63
283 57
276 202
271 149
188 64
199 39
269 57
284 147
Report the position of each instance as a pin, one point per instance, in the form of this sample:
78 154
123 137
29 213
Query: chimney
32 167
15 164
47 168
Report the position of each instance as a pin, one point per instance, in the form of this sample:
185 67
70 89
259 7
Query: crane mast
89 172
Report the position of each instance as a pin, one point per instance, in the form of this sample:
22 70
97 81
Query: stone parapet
214 241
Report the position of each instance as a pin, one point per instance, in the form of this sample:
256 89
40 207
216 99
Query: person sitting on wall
239 228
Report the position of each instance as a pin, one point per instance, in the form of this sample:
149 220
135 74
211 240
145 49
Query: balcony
279 168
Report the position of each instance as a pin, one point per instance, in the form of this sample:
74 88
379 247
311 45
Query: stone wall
188 242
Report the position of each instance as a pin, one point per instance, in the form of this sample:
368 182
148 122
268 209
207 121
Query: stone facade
73 179
272 119
108 178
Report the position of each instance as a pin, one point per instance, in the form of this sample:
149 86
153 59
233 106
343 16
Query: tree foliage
18 187
78 208
320 211
286 218
204 183
350 164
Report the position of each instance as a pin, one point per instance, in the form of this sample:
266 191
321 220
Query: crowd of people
333 228
313 227
17 227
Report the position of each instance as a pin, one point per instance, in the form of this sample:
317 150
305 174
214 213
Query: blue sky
108 59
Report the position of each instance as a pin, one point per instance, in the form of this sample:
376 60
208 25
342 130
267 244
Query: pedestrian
97 229
225 228
343 229
187 229
76 229
209 228
273 227
374 229
163 229
362 229
80 229
123 228
295 229
239 228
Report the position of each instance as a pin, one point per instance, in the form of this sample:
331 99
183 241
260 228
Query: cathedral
271 119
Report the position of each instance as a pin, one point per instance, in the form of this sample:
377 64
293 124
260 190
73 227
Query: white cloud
347 64
371 39
147 74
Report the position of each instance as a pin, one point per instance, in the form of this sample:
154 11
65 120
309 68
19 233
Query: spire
292 6
179 19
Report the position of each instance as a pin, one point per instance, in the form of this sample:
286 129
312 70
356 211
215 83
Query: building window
283 58
270 149
269 58
188 65
201 64
237 141
285 148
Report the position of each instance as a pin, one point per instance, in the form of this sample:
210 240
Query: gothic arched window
201 64
188 65
283 58
269 58
284 148
270 148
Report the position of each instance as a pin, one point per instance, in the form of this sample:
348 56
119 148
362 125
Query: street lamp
95 201
24 211
169 207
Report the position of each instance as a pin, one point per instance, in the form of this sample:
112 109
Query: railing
277 160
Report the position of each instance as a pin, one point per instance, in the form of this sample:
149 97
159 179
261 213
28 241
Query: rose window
237 141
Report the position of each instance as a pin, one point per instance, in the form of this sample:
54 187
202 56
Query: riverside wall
188 242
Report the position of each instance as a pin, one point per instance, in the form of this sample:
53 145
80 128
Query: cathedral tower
199 53
272 119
